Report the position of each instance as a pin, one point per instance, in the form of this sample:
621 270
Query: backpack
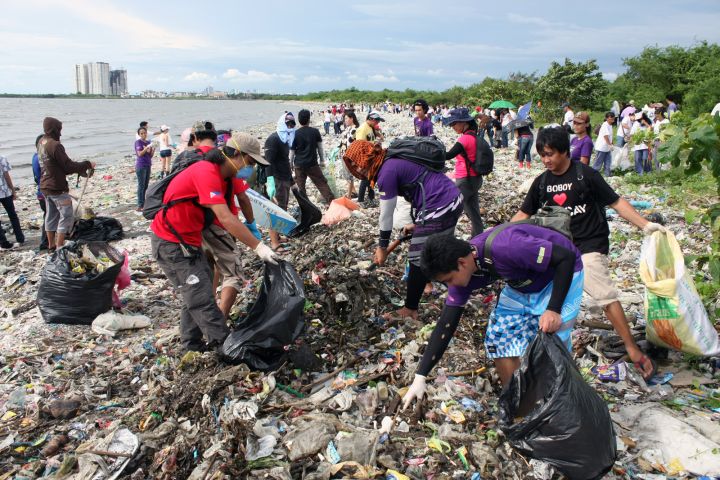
551 217
484 157
156 192
426 151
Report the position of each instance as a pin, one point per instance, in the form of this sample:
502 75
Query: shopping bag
549 413
675 315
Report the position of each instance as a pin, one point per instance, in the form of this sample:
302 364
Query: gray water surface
104 130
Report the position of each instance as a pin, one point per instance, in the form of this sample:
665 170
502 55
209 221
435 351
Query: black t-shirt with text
305 146
586 198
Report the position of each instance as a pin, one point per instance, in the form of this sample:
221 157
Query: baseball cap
164 128
375 116
203 126
246 143
582 117
565 104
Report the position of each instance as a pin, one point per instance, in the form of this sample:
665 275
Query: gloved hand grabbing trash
253 229
652 227
266 253
416 390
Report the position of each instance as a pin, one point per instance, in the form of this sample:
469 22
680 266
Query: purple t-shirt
581 147
423 128
440 191
520 252
142 160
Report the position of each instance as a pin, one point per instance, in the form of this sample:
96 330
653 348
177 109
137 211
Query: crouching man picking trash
194 196
433 196
543 273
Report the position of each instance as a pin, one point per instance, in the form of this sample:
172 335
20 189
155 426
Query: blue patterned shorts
516 319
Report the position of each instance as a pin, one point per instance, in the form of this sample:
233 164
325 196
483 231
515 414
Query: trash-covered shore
79 404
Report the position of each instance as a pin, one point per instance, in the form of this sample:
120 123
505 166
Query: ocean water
104 130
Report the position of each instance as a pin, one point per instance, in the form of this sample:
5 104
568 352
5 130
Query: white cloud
379 77
435 72
135 30
610 76
235 75
197 77
320 79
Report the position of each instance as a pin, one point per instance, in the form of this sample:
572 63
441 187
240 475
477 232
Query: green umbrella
502 104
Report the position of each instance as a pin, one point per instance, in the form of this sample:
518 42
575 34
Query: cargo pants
192 279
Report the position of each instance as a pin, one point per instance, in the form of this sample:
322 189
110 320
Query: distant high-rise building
99 75
81 79
118 82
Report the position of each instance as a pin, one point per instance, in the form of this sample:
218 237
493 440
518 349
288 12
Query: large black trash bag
274 321
99 229
309 214
76 298
562 420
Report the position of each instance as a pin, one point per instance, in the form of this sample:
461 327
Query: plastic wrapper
549 413
274 321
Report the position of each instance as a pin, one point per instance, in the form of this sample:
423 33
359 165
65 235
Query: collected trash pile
118 400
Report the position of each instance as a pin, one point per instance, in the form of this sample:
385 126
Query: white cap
164 128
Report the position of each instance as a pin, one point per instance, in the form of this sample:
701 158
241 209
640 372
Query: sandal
640 366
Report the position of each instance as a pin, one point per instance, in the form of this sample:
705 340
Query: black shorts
165 153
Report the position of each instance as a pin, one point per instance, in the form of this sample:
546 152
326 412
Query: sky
308 45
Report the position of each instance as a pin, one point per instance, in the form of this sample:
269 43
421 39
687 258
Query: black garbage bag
74 298
99 229
274 321
309 214
561 419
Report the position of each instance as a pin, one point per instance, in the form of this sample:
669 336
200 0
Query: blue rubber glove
254 230
271 187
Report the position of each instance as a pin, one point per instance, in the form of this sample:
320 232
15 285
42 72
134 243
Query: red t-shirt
239 186
201 180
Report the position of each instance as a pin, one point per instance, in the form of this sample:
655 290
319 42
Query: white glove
386 425
416 390
266 253
652 227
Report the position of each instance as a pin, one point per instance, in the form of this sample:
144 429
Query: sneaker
6 246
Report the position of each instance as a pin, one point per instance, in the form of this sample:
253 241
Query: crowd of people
544 271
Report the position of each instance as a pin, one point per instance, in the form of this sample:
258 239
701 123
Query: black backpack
484 157
156 192
426 151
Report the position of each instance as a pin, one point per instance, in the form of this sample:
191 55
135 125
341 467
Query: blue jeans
504 138
603 161
524 146
143 179
641 163
620 141
326 126
490 133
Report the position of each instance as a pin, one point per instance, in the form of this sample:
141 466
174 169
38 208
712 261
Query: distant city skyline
96 78
297 47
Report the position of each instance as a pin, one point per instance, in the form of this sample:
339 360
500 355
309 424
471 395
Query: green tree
581 84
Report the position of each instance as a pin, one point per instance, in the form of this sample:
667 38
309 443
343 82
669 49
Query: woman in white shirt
642 166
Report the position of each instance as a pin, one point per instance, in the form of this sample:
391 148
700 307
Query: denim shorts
165 153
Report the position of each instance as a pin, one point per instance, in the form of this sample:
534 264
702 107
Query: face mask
245 172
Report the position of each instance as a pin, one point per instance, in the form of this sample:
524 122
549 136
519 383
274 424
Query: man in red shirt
176 243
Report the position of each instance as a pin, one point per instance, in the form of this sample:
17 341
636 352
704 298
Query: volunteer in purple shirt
144 152
581 146
543 272
423 124
436 205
